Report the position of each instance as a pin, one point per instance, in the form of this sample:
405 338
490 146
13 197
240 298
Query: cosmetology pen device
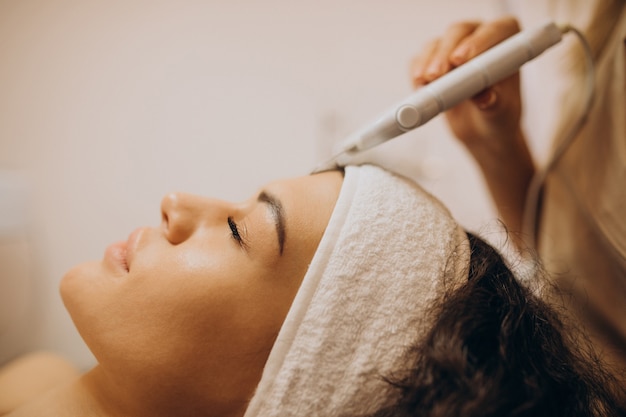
463 82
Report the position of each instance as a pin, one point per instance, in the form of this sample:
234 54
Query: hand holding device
486 69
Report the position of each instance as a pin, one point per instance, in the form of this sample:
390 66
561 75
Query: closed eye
234 230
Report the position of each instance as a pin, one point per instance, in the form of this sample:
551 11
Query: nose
183 214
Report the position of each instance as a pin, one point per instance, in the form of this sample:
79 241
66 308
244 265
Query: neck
156 397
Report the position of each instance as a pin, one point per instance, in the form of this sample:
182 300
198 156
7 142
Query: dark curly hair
496 349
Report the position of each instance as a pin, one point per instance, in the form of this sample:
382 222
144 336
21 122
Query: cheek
191 297
180 305
168 289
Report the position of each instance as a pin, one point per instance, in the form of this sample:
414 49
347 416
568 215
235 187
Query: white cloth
389 251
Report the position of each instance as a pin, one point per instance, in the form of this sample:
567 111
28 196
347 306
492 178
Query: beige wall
107 105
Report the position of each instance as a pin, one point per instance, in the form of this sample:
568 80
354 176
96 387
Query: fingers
421 62
484 37
434 60
440 58
460 43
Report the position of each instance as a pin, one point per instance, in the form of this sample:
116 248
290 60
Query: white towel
389 251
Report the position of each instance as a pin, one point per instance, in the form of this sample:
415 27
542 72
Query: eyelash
234 230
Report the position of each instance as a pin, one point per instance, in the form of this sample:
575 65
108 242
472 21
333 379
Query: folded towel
389 252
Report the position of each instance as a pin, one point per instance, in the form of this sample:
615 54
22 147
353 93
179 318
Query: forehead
308 200
325 185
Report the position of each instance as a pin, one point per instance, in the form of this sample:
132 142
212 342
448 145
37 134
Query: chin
84 298
71 281
80 287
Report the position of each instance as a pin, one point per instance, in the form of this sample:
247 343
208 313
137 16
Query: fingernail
434 69
460 54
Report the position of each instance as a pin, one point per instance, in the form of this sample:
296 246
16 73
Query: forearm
508 171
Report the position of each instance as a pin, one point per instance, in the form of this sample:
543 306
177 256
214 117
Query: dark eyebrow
278 213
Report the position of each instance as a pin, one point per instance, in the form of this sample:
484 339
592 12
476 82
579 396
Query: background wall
107 105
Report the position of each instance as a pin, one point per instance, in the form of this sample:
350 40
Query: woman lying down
337 294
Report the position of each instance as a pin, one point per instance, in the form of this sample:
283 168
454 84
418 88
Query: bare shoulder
30 376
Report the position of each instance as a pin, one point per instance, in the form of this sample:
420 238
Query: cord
533 194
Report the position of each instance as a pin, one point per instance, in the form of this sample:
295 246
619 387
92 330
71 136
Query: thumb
486 99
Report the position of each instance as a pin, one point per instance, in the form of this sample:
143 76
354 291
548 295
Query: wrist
502 152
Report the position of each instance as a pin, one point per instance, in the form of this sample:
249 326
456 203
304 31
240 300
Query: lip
115 256
132 245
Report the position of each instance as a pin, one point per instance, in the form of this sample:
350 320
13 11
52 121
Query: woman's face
197 302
